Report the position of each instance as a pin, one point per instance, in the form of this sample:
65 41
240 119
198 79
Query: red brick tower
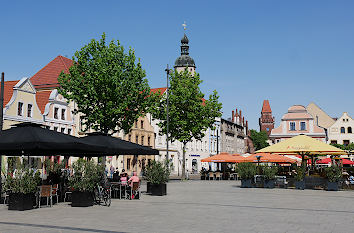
266 121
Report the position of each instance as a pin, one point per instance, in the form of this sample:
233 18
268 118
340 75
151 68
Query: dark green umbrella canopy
31 139
116 146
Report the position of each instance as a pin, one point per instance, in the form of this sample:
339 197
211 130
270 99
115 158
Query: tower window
142 124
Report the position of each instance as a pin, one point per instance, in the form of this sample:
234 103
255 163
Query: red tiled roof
42 98
266 106
48 75
8 90
161 90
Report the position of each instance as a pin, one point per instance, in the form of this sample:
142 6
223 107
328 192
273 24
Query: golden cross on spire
184 25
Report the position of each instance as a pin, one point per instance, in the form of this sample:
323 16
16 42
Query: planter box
332 186
148 187
81 199
300 185
246 183
269 184
158 189
20 201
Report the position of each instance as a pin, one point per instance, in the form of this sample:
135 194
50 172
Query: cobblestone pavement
197 206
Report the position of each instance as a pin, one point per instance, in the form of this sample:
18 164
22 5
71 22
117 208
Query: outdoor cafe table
118 185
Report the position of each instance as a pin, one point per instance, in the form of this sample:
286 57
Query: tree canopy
108 85
190 114
259 139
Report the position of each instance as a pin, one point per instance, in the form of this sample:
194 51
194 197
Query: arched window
342 130
349 129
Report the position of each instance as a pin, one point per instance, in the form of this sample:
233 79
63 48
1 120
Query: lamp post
258 161
167 117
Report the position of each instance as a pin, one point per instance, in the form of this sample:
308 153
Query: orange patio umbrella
269 158
225 157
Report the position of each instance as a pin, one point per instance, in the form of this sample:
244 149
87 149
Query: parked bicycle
103 195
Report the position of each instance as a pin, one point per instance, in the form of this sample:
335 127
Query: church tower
266 121
184 61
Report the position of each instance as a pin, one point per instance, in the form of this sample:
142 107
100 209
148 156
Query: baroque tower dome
184 60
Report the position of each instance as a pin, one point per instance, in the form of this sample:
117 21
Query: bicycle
103 195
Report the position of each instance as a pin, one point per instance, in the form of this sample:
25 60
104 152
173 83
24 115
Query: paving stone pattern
197 206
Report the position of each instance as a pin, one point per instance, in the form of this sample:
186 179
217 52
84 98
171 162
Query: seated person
123 178
116 176
133 179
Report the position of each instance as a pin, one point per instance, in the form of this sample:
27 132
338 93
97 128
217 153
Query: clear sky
290 52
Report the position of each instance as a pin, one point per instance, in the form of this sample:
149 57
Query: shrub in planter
269 176
333 175
86 177
246 172
157 175
22 185
299 178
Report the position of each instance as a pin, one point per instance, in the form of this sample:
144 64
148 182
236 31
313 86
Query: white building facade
341 132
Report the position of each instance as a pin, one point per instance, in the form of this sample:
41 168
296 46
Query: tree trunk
184 162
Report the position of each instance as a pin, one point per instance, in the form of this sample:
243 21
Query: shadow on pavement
58 227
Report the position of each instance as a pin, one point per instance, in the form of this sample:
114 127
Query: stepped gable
47 77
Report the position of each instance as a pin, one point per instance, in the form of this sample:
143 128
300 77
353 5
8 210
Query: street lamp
258 161
168 71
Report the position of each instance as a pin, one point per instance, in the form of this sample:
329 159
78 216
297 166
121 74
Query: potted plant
269 176
246 172
333 175
157 175
299 178
86 177
22 185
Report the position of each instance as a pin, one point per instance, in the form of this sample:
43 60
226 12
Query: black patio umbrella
116 146
31 139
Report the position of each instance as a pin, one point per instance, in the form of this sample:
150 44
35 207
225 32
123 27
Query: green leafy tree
349 147
259 139
108 85
190 114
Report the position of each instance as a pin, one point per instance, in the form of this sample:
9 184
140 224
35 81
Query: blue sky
290 52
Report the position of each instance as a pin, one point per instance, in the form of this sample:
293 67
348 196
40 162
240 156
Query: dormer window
20 109
56 110
303 125
29 110
292 126
63 114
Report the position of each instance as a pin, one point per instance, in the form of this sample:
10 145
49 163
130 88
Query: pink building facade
295 122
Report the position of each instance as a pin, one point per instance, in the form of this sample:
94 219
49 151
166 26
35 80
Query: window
55 128
69 131
349 130
292 126
346 142
142 140
303 125
342 130
333 141
128 164
136 124
19 108
62 130
267 129
136 139
142 124
130 138
63 114
29 110
149 141
56 113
